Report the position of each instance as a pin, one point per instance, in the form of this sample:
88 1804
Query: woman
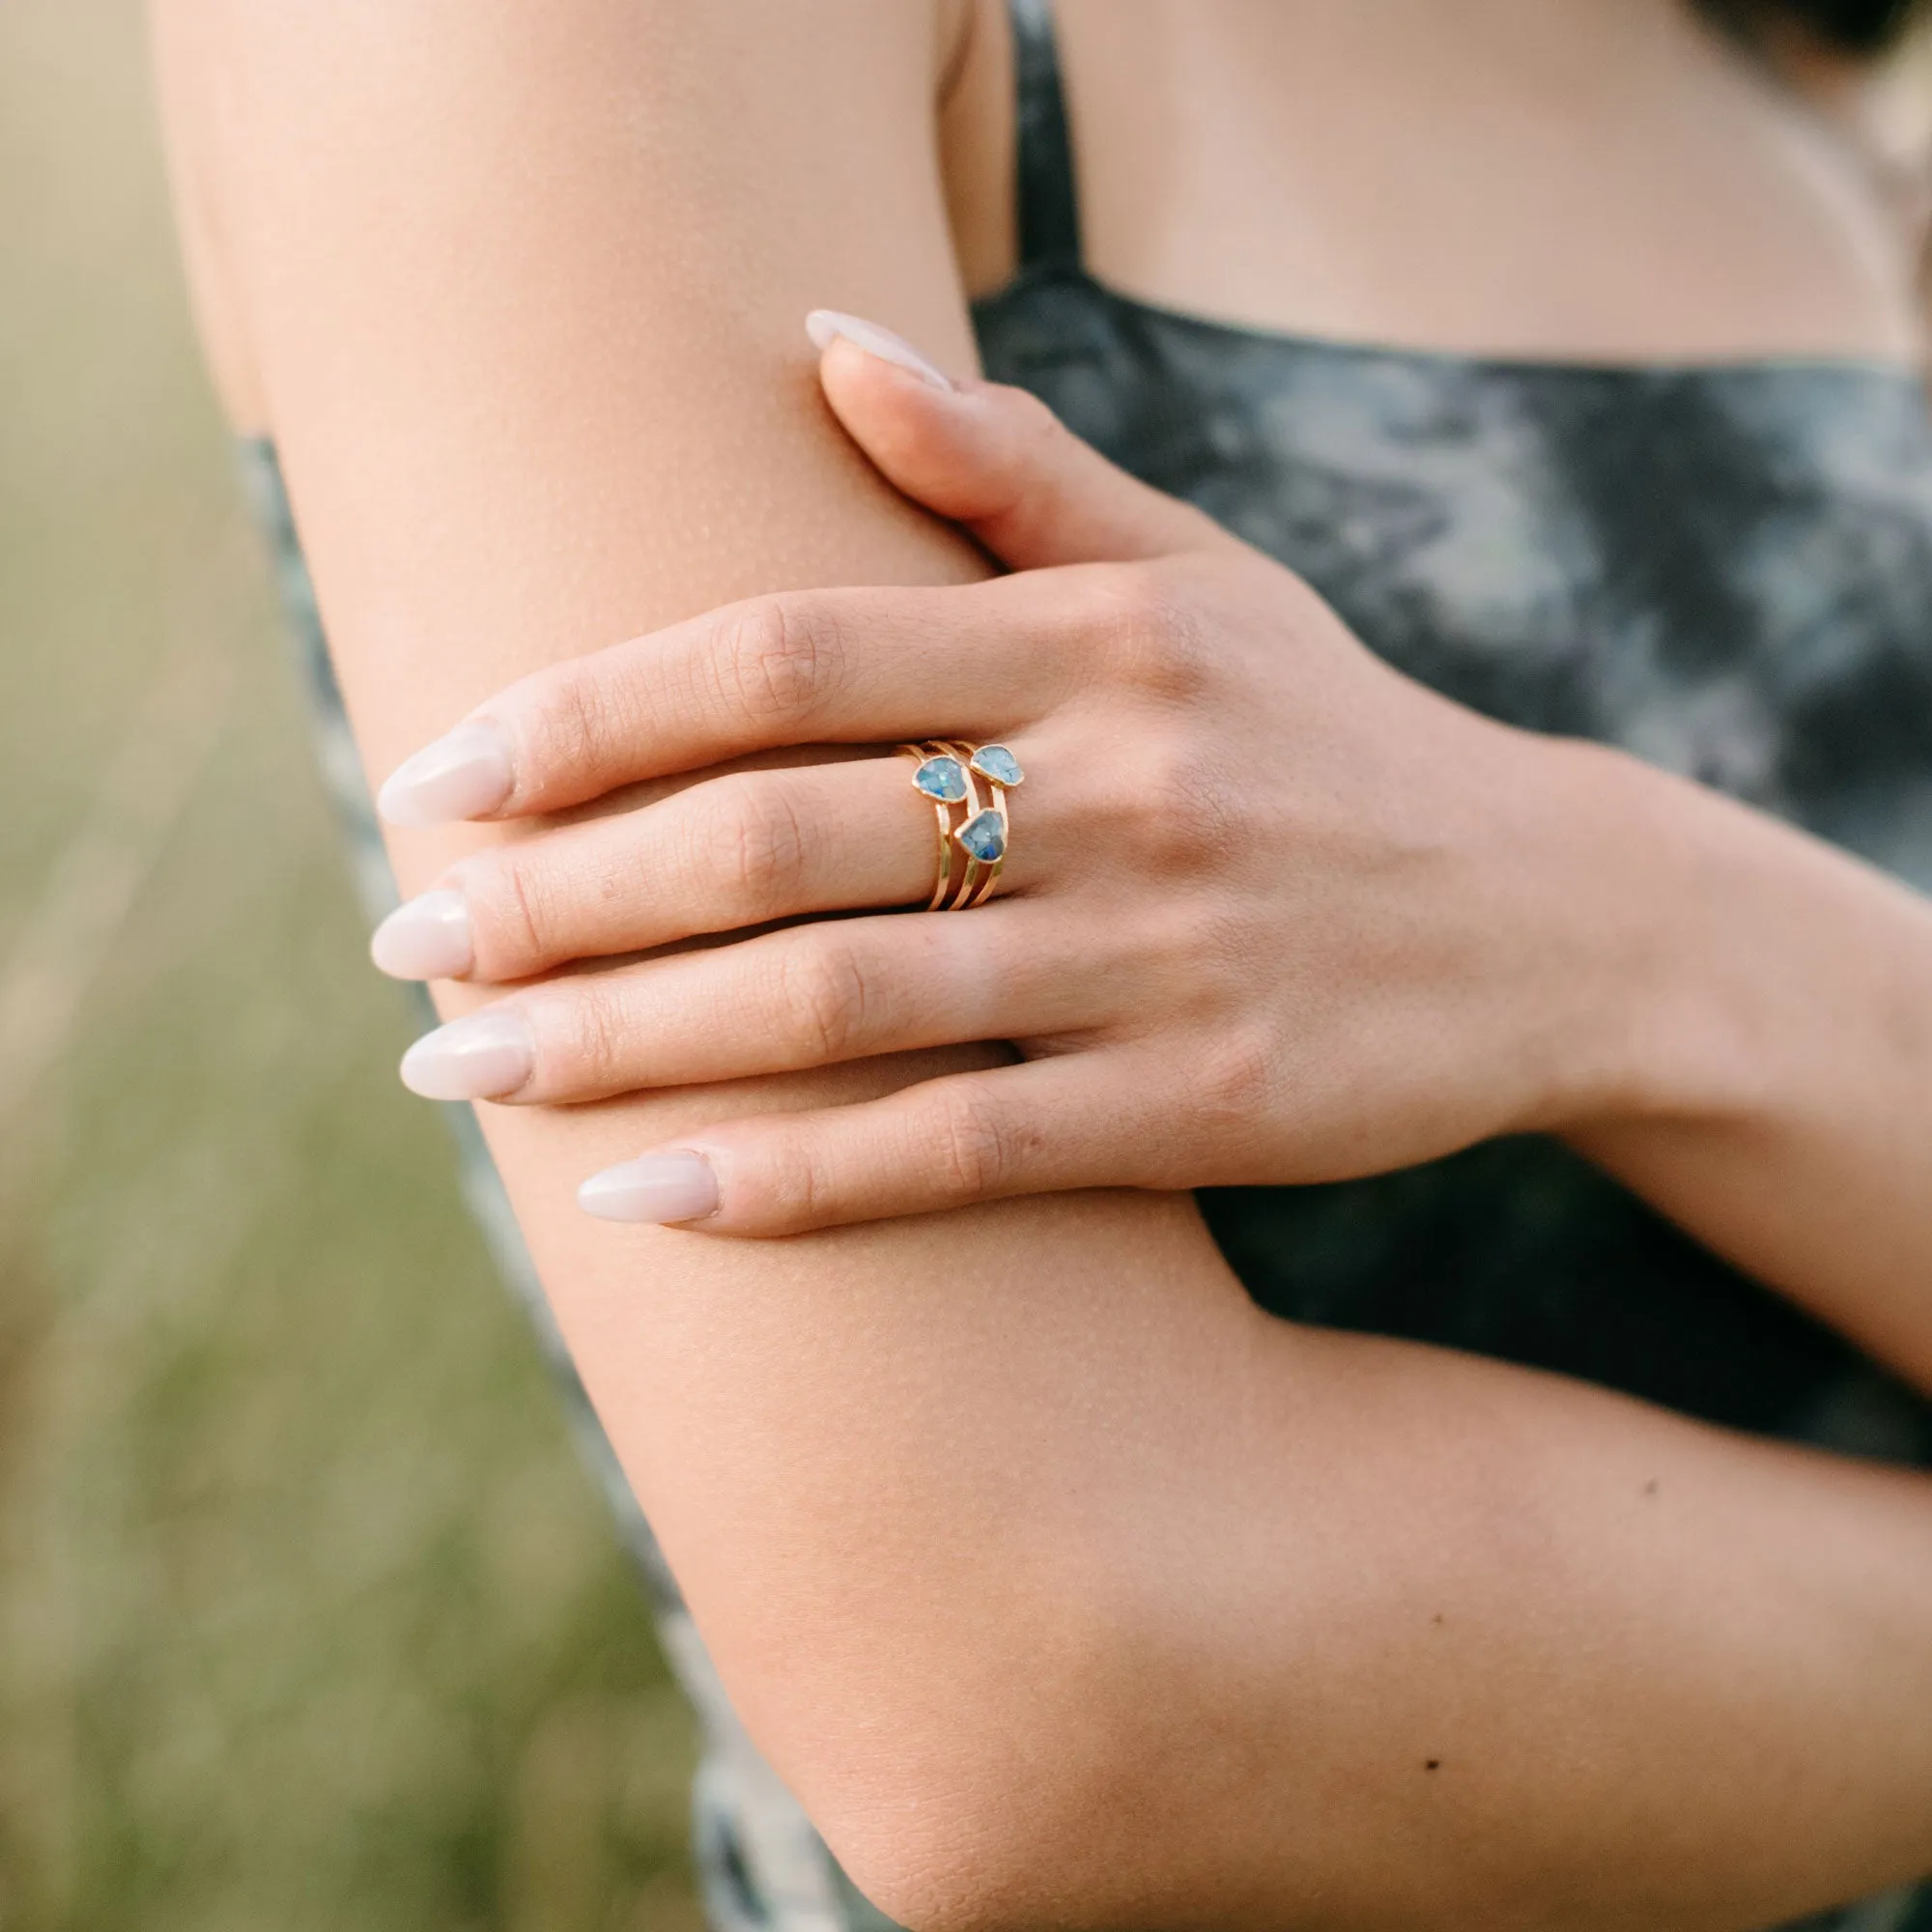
1564 353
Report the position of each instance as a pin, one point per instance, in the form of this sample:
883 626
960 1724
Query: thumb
994 459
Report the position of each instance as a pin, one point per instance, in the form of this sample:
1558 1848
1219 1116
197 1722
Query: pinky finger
1039 1127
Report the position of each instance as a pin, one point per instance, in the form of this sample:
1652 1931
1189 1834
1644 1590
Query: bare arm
1061 1585
1774 1085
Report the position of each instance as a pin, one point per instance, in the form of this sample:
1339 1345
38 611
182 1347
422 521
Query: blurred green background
307 1616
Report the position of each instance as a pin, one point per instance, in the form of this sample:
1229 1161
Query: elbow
1101 1765
975 1782
957 1869
991 1841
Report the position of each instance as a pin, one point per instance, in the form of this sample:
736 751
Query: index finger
812 666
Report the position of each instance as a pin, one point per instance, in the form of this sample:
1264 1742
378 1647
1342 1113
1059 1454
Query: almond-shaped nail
827 325
675 1186
425 938
466 772
480 1057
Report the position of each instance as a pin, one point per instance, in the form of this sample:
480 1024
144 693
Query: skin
1063 1586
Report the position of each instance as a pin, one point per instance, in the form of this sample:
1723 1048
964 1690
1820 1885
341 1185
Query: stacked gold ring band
946 773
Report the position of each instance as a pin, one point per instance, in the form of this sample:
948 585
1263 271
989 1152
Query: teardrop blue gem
942 778
983 837
996 762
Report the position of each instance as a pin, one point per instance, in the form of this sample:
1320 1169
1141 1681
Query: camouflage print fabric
1727 570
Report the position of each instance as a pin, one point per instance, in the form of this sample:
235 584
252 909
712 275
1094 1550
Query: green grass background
307 1616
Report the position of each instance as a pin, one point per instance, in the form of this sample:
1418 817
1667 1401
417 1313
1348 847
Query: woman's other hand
1272 912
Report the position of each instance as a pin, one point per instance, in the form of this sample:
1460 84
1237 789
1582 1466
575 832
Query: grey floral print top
1727 570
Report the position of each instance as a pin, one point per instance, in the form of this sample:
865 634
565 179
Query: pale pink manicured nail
464 772
674 1186
476 1058
825 325
425 938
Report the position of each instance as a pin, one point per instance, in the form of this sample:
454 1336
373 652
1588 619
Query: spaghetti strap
1048 204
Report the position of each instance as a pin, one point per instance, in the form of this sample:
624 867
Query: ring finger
719 856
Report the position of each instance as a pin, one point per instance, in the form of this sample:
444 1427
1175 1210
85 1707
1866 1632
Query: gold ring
986 834
971 811
940 775
944 773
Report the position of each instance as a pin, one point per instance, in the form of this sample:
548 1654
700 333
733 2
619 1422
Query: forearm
1444 1644
1067 1588
1755 1010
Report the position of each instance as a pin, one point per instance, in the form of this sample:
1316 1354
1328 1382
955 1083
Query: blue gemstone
996 762
943 779
983 837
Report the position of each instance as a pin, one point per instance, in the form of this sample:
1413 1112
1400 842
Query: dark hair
1856 26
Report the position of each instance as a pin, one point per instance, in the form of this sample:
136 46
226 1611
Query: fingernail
476 1058
674 1186
466 772
425 938
825 325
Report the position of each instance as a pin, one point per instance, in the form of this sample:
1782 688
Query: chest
1583 179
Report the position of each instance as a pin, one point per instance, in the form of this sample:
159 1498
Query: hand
1272 912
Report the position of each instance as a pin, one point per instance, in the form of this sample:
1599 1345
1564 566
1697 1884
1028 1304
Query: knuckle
794 1187
599 1040
1155 641
1036 429
1232 1078
513 910
757 844
784 659
583 716
970 1149
827 999
1181 809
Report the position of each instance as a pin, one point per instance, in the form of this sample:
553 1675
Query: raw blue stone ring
973 846
983 837
997 763
986 834
942 778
